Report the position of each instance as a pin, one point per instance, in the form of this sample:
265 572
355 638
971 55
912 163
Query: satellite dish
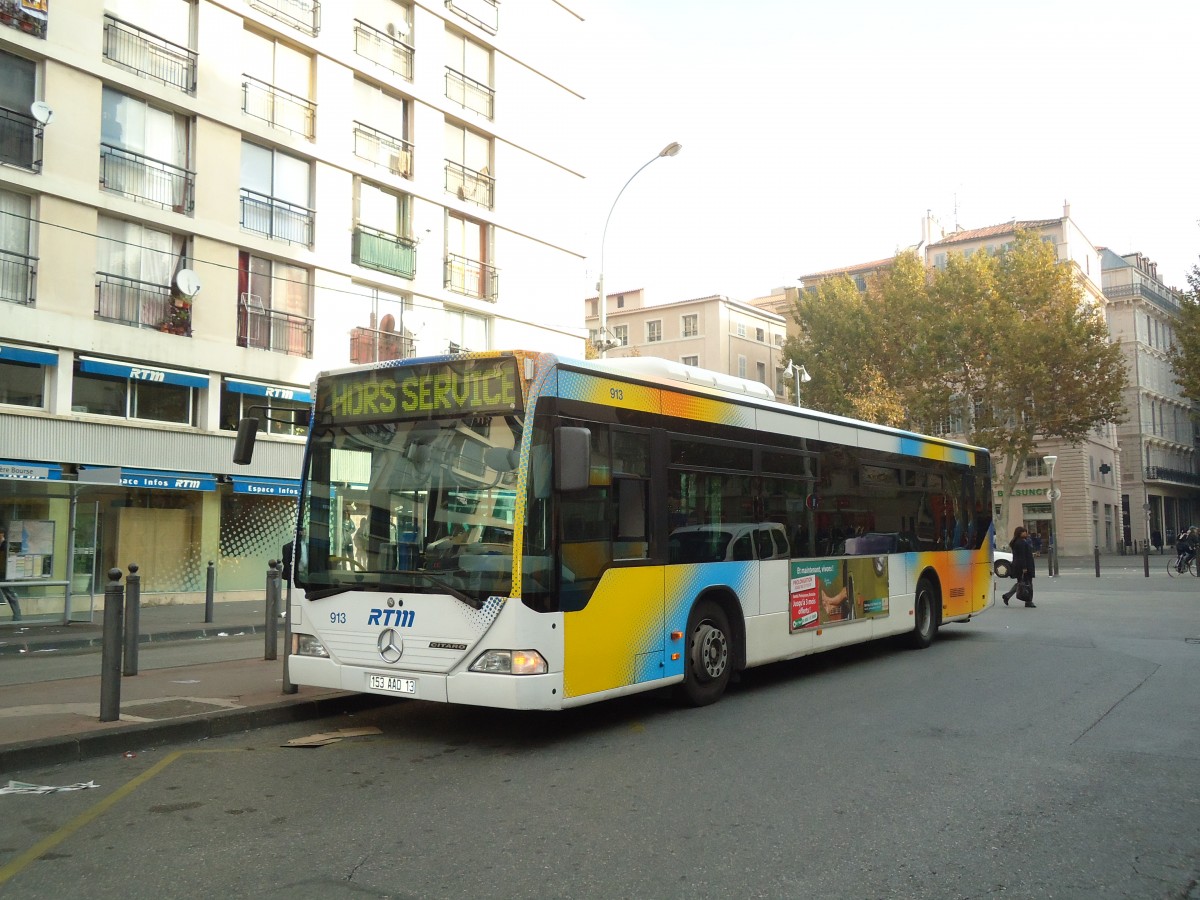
41 111
187 283
397 29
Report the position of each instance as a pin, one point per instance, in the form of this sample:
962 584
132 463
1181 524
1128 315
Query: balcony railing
484 13
467 184
385 252
131 301
20 140
278 108
1165 301
17 275
303 15
272 329
149 55
383 50
471 278
1180 476
372 345
276 219
469 93
14 14
393 153
146 179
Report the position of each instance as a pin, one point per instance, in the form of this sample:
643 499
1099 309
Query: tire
708 663
925 625
1000 567
1172 567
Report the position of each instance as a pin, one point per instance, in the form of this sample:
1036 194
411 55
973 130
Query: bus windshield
423 506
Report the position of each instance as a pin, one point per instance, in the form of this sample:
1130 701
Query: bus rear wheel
925 615
709 661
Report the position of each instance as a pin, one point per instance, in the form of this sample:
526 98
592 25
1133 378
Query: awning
10 353
162 480
142 372
30 471
266 487
272 391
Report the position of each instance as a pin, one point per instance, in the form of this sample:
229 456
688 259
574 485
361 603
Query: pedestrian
1021 568
7 594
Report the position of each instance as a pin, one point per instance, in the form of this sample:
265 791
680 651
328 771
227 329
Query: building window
468 165
691 325
274 306
152 38
654 332
18 269
270 65
109 389
468 259
741 329
276 195
1035 467
761 372
469 74
20 132
620 335
741 366
134 268
381 132
387 48
381 238
382 335
465 331
21 383
760 335
281 410
144 152
303 15
690 360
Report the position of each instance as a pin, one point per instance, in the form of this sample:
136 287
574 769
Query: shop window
22 384
112 395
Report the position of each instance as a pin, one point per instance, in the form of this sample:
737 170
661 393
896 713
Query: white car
1001 560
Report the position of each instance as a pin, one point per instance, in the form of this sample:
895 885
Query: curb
119 739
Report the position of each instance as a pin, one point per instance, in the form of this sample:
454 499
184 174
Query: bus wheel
709 663
925 614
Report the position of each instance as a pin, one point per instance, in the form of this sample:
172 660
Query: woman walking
1022 567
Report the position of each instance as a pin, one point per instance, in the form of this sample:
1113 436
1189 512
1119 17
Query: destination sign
462 387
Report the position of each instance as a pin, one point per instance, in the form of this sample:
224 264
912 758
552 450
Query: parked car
1001 560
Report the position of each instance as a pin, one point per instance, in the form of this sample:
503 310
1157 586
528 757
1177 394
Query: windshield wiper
448 588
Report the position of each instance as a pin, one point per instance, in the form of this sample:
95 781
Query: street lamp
802 377
670 150
1050 461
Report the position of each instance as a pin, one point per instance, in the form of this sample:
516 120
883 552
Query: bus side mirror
243 447
572 458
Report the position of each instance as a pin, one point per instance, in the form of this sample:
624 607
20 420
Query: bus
525 531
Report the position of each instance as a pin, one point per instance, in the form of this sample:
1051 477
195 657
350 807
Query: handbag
1024 591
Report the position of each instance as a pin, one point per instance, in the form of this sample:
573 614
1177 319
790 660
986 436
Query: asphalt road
1047 753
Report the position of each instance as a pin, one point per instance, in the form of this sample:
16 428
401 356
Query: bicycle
1174 567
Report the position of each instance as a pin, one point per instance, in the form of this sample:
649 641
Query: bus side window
632 541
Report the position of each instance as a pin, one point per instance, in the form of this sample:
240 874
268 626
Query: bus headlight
511 662
307 645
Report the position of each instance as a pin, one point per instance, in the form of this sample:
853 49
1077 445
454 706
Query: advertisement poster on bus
828 591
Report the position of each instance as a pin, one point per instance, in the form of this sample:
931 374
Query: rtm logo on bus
397 618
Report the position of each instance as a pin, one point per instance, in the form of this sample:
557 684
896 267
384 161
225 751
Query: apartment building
203 204
712 332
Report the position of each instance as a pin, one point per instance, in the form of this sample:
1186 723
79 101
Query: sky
818 133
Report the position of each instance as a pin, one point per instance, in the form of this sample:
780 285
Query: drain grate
1191 640
170 709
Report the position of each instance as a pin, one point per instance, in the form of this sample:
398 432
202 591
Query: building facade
204 204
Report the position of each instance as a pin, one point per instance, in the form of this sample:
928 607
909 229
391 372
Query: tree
1185 354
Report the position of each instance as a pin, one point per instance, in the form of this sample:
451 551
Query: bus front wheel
925 615
709 661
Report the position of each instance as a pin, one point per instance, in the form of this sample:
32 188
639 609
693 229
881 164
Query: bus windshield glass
418 499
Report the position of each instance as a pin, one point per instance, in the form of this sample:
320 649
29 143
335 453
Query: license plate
393 684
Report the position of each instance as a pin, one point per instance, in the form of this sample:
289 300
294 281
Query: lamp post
670 150
1053 567
802 377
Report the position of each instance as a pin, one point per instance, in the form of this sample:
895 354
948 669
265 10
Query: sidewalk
57 719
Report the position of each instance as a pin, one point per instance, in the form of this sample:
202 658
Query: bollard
209 587
1096 550
1146 557
271 650
133 619
110 649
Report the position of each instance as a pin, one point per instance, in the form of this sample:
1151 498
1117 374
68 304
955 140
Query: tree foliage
1185 355
1003 351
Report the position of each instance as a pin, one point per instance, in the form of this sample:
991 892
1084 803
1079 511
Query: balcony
16 14
384 252
146 179
1165 301
467 184
469 93
276 219
278 108
471 278
303 15
392 153
148 55
484 13
1179 476
17 275
20 140
373 345
383 50
272 329
141 304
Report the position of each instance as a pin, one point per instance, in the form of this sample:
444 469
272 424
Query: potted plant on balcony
178 319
